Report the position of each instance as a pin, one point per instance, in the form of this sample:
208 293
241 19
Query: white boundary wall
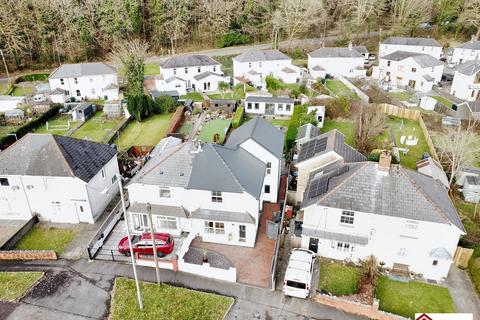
352 87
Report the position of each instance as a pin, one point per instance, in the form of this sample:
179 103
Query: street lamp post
139 294
154 244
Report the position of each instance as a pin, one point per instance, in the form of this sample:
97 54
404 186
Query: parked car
142 244
298 276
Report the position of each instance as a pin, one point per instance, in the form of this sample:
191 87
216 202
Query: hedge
30 126
238 117
32 77
292 130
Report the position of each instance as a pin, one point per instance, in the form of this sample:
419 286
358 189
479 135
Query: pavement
8 228
79 290
463 294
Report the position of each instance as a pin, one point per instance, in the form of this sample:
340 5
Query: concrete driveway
464 296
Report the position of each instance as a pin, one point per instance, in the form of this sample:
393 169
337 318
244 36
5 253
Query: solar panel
320 185
311 148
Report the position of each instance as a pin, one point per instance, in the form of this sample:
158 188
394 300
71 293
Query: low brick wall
369 311
28 255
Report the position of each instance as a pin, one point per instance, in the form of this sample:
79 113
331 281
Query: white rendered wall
91 87
346 67
385 49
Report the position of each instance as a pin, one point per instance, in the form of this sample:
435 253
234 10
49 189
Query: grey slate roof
218 168
361 49
428 77
424 60
260 131
427 42
335 52
269 99
288 70
58 91
318 68
474 45
335 141
206 74
261 55
192 60
307 131
82 69
469 68
55 156
215 215
473 180
161 210
335 236
402 193
173 79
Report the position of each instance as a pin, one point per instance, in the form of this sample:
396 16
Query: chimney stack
384 161
350 45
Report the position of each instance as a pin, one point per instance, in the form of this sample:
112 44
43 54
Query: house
471 189
305 133
336 61
317 153
57 178
254 66
416 70
466 81
224 105
269 106
10 102
469 110
319 114
432 168
365 53
190 72
82 111
467 51
415 45
81 81
212 191
400 216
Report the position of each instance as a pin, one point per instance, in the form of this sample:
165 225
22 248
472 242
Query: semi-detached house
417 45
466 81
213 191
58 179
337 61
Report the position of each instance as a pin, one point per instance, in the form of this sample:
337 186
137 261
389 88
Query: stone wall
28 255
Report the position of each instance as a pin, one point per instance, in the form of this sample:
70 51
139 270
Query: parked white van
298 276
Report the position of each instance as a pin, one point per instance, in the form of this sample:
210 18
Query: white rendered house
93 80
417 45
59 179
10 102
466 51
402 217
336 61
466 81
401 68
281 107
212 191
196 72
254 66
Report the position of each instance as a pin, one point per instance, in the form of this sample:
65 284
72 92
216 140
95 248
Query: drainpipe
26 196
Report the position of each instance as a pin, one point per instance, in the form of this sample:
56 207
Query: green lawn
146 133
400 95
4 130
410 128
58 125
23 91
209 129
474 268
444 101
338 88
227 64
338 279
346 127
151 70
166 302
14 285
279 122
466 211
195 96
45 238
34 77
97 127
237 95
185 128
408 298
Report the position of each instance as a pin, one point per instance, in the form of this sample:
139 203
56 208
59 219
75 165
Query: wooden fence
414 115
462 256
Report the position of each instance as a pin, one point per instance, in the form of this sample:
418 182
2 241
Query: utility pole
155 256
6 67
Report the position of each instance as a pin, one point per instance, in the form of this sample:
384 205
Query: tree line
48 32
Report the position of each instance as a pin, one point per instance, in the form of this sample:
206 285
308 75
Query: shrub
164 104
374 155
238 117
338 108
297 53
274 84
140 106
233 38
32 77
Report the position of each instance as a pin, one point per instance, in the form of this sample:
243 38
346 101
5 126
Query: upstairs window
267 188
186 70
214 68
414 69
257 106
62 82
249 65
217 196
269 167
164 193
76 80
280 107
288 107
4 182
347 217
199 69
389 63
174 71
249 105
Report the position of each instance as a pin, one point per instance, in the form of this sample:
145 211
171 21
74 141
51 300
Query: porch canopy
161 210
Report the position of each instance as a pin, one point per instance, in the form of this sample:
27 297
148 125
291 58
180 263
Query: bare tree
213 21
176 18
470 14
369 124
295 17
362 10
409 13
459 148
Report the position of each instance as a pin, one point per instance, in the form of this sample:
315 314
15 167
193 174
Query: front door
411 84
313 245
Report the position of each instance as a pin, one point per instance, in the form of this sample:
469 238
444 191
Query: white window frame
217 196
214 227
164 222
347 217
164 192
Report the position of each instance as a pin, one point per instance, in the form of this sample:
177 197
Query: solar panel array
320 185
311 148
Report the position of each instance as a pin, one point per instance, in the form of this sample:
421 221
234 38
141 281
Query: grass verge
166 302
14 285
46 238
346 127
338 279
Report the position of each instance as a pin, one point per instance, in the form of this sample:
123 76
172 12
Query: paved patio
253 264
